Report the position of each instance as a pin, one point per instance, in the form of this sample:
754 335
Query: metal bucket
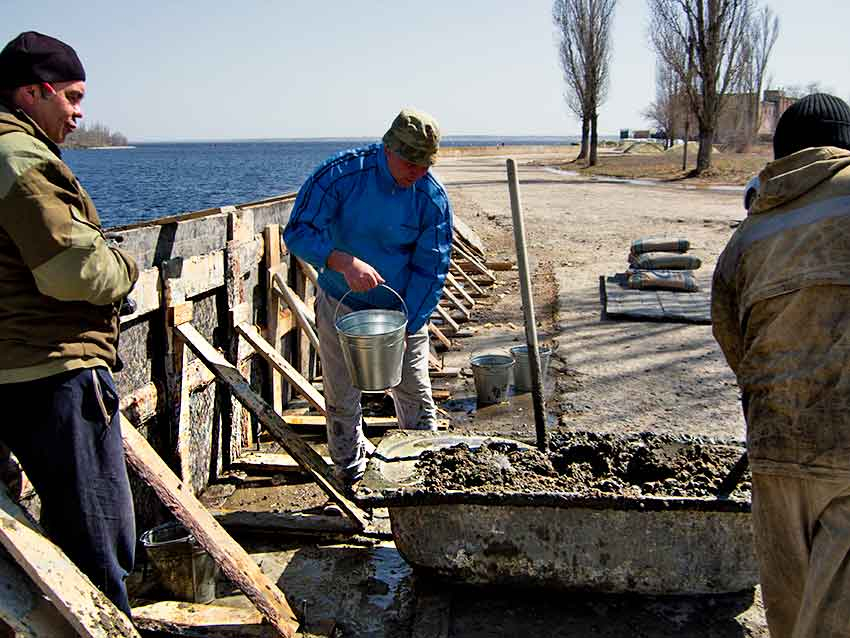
373 343
492 374
522 368
184 568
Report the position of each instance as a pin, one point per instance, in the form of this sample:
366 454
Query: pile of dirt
587 464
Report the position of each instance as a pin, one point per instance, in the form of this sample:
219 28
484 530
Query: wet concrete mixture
587 464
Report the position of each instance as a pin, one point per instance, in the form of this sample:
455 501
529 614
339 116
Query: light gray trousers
414 404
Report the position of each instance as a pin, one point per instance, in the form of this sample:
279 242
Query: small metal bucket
184 568
492 374
522 368
373 343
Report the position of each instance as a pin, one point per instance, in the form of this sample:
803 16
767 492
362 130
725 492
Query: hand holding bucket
373 343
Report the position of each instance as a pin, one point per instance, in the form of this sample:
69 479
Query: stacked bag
662 264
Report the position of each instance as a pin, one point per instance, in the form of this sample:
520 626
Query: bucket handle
339 303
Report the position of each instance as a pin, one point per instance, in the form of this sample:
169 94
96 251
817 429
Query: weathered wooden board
285 522
303 314
274 423
301 385
251 460
24 610
237 565
464 232
191 276
86 609
202 621
147 293
653 305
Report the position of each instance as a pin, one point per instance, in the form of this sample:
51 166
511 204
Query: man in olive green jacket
61 288
781 313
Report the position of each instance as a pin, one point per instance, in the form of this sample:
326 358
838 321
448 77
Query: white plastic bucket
492 374
522 369
373 343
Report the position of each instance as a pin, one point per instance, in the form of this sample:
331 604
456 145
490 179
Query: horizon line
353 138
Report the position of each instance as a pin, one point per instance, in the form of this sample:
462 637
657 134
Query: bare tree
584 48
758 45
716 30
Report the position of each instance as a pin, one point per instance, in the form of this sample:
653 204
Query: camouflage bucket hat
415 136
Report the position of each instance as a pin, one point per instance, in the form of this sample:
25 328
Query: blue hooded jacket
352 203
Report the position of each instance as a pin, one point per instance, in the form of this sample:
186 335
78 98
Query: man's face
56 107
404 173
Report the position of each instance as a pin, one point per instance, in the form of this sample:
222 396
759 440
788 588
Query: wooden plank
444 372
474 263
24 610
285 522
147 293
274 334
464 233
500 265
439 335
237 565
86 609
274 423
308 271
307 420
443 314
281 365
478 290
197 620
270 462
192 276
303 315
454 301
468 300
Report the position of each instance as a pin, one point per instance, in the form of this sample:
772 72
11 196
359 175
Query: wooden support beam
454 301
439 335
89 612
271 462
447 318
308 270
305 317
236 564
285 522
194 619
445 372
274 423
281 365
369 421
478 290
474 263
274 334
468 300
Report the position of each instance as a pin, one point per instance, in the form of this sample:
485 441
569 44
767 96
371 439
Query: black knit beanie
816 120
33 58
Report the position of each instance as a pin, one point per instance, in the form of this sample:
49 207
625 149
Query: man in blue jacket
370 216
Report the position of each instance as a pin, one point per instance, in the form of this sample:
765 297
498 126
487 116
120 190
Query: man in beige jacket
781 313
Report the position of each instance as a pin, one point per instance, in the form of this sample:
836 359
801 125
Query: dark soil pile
587 464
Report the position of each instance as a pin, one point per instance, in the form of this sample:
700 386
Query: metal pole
528 310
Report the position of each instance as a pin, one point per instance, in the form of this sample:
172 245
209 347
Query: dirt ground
605 376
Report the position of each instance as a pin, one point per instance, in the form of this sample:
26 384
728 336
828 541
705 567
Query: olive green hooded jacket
781 313
61 285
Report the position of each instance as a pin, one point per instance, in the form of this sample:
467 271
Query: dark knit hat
33 58
415 136
816 120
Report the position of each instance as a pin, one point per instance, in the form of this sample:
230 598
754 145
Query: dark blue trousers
65 431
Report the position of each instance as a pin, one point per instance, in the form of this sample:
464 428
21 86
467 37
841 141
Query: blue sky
292 68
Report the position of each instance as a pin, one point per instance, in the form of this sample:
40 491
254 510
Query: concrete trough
615 544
